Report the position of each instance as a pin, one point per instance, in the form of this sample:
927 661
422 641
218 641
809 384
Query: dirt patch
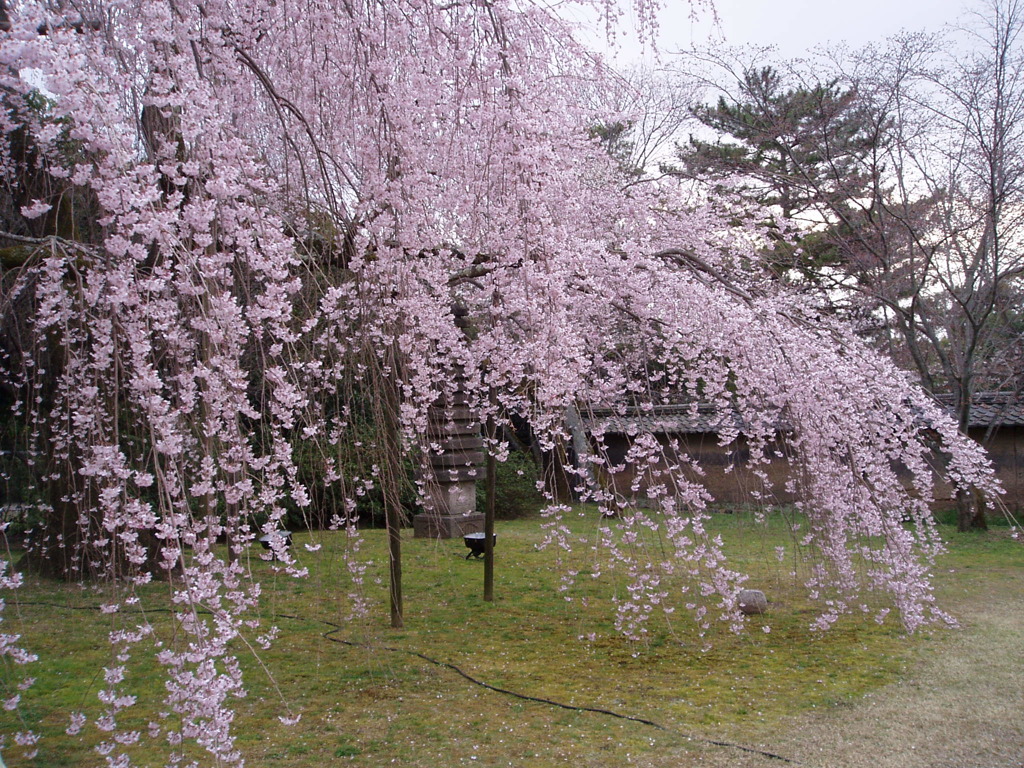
961 705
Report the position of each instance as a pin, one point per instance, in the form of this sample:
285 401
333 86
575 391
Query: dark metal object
477 542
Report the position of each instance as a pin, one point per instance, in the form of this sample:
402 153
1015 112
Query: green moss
365 696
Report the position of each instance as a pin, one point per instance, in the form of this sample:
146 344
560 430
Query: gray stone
752 602
430 525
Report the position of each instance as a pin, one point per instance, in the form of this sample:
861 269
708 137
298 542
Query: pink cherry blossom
291 203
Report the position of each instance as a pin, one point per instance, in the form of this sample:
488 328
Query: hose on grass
550 702
330 636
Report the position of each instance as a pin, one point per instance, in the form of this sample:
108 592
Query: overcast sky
794 26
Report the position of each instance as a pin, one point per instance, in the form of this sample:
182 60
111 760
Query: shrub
515 492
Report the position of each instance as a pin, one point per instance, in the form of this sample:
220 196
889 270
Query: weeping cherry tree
230 228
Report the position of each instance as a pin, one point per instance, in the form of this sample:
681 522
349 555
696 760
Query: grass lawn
370 695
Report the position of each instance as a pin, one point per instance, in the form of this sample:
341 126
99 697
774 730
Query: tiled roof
1001 408
1004 409
692 418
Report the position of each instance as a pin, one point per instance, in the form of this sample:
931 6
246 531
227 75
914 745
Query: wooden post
489 509
391 468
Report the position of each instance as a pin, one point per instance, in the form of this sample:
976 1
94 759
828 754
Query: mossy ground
367 698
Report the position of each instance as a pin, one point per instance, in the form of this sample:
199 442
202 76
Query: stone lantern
450 473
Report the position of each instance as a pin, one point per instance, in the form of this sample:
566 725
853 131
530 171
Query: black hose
335 628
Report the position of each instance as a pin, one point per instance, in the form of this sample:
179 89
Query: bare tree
922 220
647 111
